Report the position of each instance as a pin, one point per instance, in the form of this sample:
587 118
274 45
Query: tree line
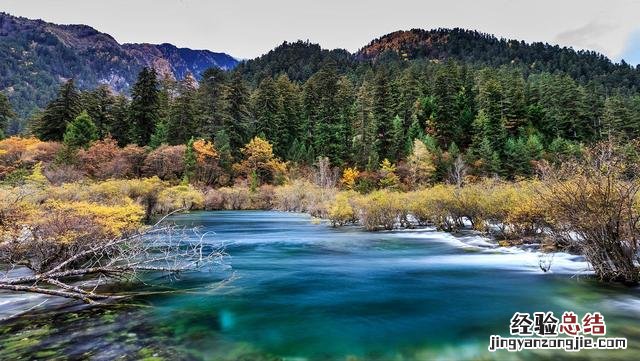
498 120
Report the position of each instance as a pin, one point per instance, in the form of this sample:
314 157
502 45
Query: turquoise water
303 291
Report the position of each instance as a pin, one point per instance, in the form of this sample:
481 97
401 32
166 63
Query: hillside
473 47
35 56
299 60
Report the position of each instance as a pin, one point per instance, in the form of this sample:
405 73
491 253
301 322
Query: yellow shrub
340 211
179 197
113 221
380 209
436 205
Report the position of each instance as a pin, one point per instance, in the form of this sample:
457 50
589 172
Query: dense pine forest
501 117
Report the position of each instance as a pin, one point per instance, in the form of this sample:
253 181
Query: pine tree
297 152
398 139
266 106
52 124
6 113
121 127
211 102
383 114
323 113
289 114
444 124
144 111
160 135
236 122
80 132
223 146
365 147
182 123
99 103
517 157
617 120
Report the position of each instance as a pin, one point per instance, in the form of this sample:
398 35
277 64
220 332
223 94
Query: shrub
102 160
166 162
179 197
340 211
380 209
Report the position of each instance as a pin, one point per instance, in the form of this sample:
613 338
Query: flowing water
296 290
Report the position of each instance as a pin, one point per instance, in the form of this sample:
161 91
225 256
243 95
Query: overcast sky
247 28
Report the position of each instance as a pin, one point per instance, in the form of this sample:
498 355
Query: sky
248 28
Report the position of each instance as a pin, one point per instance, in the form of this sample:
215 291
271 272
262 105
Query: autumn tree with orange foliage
16 152
166 162
104 160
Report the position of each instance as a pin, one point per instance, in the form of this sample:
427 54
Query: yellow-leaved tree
420 163
259 164
389 179
349 177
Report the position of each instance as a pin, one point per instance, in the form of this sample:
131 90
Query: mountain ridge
37 55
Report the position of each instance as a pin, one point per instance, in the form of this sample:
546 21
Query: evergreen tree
6 113
365 147
189 162
236 122
383 114
297 152
120 128
324 124
517 157
182 123
617 120
160 135
80 132
223 146
52 124
144 111
289 114
398 144
211 102
444 124
99 103
265 104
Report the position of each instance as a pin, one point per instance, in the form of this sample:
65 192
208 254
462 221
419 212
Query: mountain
473 47
299 60
36 56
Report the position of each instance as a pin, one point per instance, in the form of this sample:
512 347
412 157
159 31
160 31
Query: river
301 290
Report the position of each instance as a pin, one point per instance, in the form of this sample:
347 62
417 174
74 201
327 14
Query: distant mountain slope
35 56
474 47
299 60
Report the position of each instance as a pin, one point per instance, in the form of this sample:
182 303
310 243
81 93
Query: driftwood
159 248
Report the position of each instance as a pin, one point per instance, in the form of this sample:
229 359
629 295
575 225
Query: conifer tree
145 106
211 102
182 123
99 103
120 128
6 113
160 135
383 113
80 132
236 122
365 154
52 124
